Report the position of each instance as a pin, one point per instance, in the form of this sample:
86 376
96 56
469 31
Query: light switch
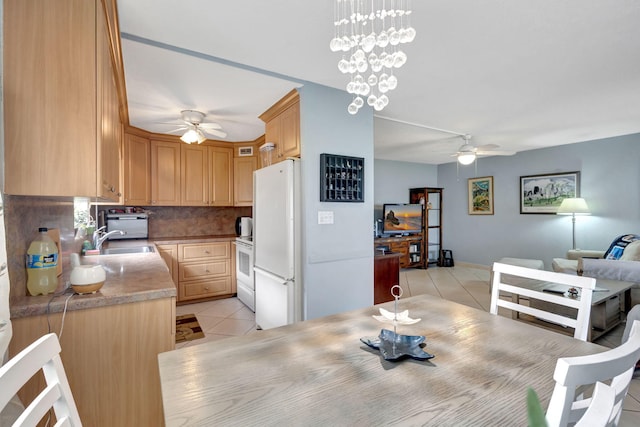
325 217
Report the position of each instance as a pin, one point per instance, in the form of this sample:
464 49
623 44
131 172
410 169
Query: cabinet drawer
203 251
205 288
199 270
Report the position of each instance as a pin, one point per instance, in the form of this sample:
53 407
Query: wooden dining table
319 373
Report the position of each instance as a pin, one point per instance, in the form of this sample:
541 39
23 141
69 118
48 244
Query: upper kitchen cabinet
110 138
282 127
206 175
194 175
220 176
137 170
63 132
165 173
243 168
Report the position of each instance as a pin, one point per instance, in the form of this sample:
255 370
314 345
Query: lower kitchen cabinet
169 254
204 270
110 355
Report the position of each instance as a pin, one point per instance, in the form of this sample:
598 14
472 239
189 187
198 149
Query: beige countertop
130 278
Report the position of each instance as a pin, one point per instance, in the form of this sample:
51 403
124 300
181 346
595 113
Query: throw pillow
617 247
631 252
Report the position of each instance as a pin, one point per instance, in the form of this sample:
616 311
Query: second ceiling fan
468 153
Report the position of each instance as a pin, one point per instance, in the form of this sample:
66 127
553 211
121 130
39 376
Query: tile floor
463 284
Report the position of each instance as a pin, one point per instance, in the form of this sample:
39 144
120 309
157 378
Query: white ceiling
521 74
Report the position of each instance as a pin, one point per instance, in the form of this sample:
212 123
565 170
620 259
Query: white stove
245 283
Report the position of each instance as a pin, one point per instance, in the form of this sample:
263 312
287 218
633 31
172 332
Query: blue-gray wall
338 258
610 178
393 180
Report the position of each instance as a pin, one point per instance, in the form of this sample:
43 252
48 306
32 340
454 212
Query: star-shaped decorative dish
394 346
401 318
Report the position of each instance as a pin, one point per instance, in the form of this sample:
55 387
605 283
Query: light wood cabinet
169 254
207 175
282 127
55 73
110 140
220 176
243 168
289 132
194 175
165 173
204 270
110 355
137 170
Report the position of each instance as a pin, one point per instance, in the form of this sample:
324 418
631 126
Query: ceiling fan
196 129
468 153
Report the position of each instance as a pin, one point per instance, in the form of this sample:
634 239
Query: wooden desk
319 373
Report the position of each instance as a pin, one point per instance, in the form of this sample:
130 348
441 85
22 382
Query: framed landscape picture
481 196
543 194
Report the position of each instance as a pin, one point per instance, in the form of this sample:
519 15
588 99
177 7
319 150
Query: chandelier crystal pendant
369 34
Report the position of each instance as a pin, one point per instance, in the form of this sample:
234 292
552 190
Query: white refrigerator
276 239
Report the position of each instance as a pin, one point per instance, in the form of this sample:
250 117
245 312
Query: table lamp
574 206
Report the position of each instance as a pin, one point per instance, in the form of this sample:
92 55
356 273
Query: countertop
130 278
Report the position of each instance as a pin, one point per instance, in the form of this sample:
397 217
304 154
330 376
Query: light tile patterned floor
465 285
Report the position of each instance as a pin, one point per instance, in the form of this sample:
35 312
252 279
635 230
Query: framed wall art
481 196
543 194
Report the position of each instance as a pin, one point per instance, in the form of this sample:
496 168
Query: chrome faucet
99 236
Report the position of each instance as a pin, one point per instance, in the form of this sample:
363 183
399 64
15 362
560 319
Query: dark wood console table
386 274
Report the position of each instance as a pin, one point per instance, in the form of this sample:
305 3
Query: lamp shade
574 206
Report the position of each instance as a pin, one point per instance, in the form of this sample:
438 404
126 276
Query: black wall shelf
341 178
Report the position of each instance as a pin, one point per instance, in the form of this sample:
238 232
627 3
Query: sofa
621 261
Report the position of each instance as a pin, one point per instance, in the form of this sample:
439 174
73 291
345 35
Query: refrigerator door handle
272 276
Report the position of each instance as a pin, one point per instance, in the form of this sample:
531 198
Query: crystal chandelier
369 33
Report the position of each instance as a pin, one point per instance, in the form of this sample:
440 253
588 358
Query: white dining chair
581 323
43 354
573 374
600 408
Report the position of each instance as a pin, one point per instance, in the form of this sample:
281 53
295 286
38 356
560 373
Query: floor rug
188 328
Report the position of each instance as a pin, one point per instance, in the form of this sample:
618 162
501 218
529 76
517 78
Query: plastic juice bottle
42 260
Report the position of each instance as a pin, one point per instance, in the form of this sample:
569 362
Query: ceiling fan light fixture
466 154
193 135
466 158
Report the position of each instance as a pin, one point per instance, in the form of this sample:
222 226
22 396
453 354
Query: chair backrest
581 323
572 374
43 354
601 407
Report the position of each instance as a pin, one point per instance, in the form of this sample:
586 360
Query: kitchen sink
127 250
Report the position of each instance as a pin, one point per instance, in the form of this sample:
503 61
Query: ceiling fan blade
218 133
179 129
495 153
210 125
487 147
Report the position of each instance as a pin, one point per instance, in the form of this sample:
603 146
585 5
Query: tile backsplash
25 214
